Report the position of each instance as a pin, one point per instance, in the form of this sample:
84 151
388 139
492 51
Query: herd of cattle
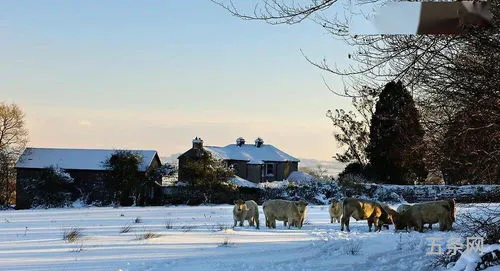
378 214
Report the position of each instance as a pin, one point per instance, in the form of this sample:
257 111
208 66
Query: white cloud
84 123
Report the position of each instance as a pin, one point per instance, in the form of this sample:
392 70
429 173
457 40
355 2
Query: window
269 170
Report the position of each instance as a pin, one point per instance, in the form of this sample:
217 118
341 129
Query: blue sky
154 74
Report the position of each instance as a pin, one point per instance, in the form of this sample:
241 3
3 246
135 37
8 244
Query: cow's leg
235 222
376 221
370 226
290 222
241 222
420 226
331 219
345 221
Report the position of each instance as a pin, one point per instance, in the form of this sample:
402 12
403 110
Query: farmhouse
85 166
256 162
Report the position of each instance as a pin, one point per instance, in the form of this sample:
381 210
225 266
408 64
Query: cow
419 214
364 210
335 210
246 210
291 212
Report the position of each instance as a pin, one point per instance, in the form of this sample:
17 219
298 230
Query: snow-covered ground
199 238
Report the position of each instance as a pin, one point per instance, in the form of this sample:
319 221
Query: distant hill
333 167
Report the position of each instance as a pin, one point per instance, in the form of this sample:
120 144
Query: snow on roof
251 153
84 159
240 182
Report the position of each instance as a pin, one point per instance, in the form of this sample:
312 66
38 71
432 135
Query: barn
85 166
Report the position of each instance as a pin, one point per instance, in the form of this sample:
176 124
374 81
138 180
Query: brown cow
419 214
391 212
364 210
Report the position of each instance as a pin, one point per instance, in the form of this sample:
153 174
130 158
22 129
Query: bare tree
448 75
13 139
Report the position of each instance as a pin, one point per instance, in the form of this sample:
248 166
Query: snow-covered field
199 238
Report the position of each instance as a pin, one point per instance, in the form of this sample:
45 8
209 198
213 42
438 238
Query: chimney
258 142
197 143
240 141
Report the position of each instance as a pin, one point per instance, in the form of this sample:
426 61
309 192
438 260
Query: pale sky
155 74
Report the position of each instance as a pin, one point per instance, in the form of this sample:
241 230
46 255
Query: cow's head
301 206
399 221
240 205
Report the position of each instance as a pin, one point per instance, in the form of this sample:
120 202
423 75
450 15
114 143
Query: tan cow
246 210
364 210
335 210
419 214
292 212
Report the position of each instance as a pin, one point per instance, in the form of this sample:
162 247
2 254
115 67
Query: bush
126 229
357 172
147 235
316 193
485 223
226 243
123 176
351 247
72 234
53 188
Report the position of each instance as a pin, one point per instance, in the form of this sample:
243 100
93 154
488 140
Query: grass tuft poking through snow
352 247
226 243
78 248
168 224
126 228
137 220
145 235
72 234
188 228
220 227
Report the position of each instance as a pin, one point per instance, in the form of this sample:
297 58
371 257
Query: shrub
169 224
72 234
363 173
126 228
226 243
123 176
147 235
352 247
188 228
53 188
484 222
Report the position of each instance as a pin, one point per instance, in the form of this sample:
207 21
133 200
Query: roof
251 153
83 159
